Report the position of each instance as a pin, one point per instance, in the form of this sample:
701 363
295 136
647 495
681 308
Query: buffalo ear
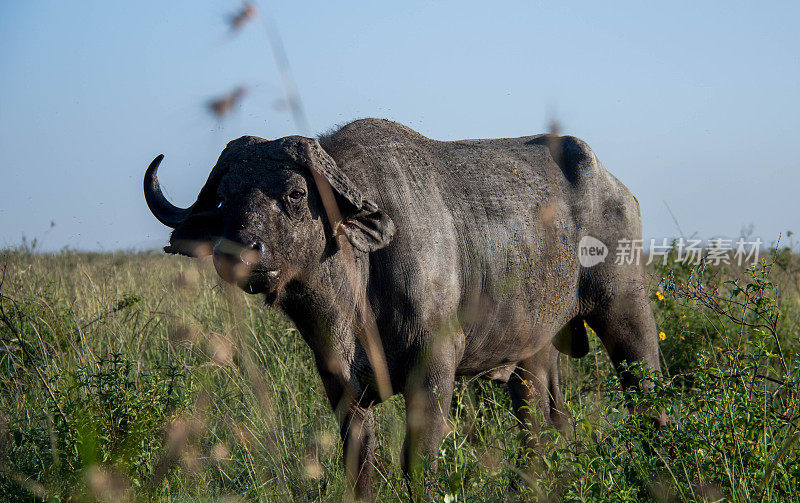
367 227
368 230
195 236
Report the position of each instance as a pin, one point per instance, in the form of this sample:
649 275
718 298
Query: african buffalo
405 262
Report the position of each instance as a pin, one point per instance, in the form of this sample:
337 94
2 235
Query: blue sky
690 103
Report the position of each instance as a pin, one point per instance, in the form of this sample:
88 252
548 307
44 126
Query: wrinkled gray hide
467 252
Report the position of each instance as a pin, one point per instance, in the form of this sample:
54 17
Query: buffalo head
269 213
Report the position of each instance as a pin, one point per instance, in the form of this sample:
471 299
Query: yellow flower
683 315
662 335
659 296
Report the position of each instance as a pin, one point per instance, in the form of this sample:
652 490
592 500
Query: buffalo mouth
261 281
251 279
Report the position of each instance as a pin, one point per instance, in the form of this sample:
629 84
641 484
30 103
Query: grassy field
141 377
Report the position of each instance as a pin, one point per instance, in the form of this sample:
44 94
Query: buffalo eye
296 195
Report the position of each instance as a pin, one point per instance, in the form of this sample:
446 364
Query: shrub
168 385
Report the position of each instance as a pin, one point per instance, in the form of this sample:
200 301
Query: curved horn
166 212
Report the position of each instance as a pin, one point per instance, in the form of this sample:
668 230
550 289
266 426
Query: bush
168 385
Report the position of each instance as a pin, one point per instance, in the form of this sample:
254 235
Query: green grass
140 376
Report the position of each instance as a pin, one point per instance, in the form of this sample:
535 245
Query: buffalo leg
535 392
428 396
627 328
357 429
358 438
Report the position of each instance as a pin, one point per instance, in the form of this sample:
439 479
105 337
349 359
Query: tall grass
127 376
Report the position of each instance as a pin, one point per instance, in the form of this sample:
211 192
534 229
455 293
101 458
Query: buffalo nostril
251 253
